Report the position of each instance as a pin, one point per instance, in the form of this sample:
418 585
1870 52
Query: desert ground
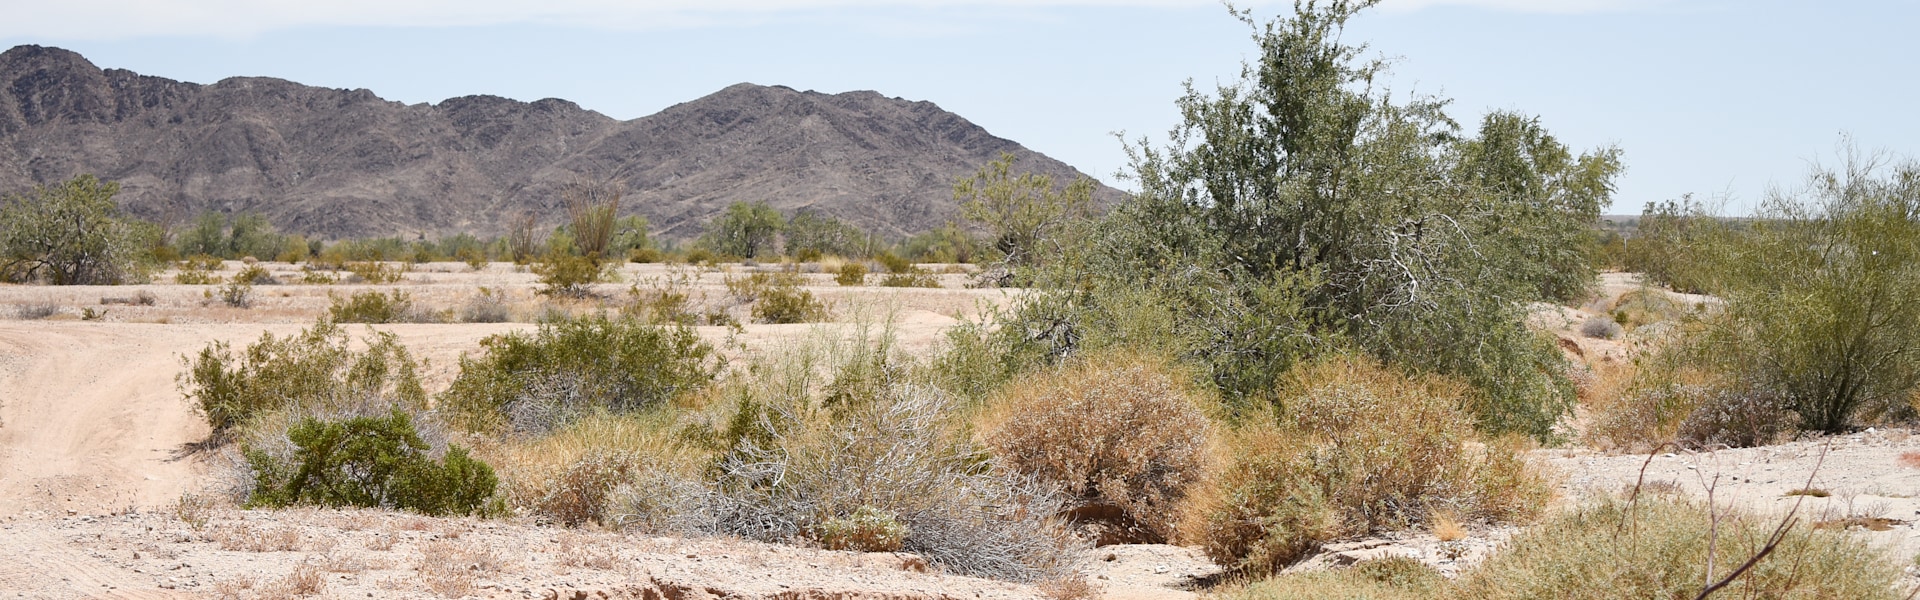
98 447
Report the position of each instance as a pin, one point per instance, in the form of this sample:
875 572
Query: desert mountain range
337 163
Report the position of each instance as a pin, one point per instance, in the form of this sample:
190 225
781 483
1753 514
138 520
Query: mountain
339 163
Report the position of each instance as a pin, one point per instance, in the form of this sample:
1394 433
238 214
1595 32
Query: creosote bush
1122 436
851 273
370 461
567 275
373 307
573 366
311 371
1354 448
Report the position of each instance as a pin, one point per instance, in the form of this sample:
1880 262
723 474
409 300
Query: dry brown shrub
1122 435
1357 448
568 475
1910 459
248 538
450 568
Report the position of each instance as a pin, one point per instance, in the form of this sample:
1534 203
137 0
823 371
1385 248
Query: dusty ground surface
96 447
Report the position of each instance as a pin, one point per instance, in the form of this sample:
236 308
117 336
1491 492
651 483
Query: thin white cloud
112 19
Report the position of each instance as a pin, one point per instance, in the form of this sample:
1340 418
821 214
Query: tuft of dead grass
246 537
1123 436
1670 547
450 568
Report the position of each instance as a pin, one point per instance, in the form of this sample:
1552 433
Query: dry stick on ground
1773 541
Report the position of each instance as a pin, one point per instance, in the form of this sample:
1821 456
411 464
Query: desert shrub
1642 416
893 263
1823 298
1662 547
375 272
1395 578
667 299
1602 327
913 277
746 230
1299 205
318 277
892 458
254 274
1355 448
314 370
487 305
69 233
236 293
853 273
371 307
1121 436
777 297
1736 417
34 311
567 275
1646 306
575 473
867 529
370 461
192 276
788 304
574 365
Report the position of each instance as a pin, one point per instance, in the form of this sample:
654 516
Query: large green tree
1305 207
66 234
745 230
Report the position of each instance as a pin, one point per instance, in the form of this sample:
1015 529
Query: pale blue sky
1706 96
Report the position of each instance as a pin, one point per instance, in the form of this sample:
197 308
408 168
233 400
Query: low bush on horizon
375 308
572 366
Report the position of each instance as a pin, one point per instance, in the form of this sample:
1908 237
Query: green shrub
788 304
237 294
370 461
1355 448
487 305
68 233
567 275
371 307
1121 436
1660 547
374 272
1823 299
914 277
574 365
313 370
852 273
893 262
254 274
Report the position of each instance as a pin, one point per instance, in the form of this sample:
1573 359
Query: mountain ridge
338 163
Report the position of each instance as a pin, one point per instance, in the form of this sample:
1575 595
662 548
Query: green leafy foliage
1025 214
372 307
811 234
1302 208
573 366
370 461
744 230
568 275
312 370
66 234
1823 297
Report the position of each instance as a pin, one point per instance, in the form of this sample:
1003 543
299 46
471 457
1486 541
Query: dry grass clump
193 509
1122 436
568 476
1661 547
1356 448
1646 306
892 454
249 538
1394 578
1602 327
1640 409
450 568
34 311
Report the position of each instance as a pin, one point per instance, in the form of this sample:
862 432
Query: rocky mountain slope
348 163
